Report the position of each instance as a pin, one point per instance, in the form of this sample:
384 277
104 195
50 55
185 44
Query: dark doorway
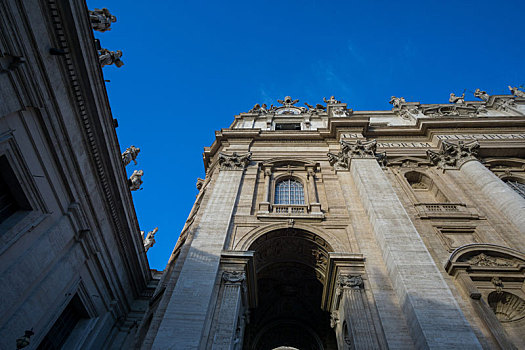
291 267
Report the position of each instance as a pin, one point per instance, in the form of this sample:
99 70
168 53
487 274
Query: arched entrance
291 267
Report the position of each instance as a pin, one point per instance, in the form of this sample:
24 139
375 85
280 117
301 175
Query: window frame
296 179
21 221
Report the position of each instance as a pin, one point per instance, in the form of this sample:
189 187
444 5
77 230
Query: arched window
289 191
516 186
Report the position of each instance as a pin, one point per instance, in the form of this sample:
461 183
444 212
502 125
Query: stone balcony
290 211
445 210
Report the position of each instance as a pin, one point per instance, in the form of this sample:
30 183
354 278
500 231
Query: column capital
234 161
355 150
349 281
233 276
452 155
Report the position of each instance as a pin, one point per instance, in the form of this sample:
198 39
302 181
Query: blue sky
190 66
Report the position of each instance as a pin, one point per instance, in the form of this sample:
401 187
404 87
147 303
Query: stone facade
73 269
316 227
341 229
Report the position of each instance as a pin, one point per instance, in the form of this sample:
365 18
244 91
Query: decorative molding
453 156
233 276
508 307
234 161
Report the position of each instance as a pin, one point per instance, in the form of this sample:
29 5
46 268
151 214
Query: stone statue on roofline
149 241
107 58
482 95
101 19
331 100
457 99
130 154
135 180
516 92
397 101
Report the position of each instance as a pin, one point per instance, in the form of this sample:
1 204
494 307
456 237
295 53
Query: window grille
64 325
289 191
517 186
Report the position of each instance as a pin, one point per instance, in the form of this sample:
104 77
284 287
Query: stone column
433 315
229 332
463 156
184 321
360 326
509 203
265 206
315 206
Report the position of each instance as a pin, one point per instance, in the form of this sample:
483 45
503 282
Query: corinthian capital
352 150
453 156
234 161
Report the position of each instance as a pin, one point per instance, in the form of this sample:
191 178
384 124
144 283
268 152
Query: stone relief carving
107 58
135 180
482 95
454 155
504 104
455 110
498 284
234 161
349 281
130 154
233 276
101 19
334 318
516 92
320 259
360 149
149 241
288 102
508 307
338 160
457 99
357 149
341 112
491 261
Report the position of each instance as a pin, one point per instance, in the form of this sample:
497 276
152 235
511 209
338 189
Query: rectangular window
288 126
12 197
64 325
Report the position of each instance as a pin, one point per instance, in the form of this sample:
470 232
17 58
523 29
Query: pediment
487 255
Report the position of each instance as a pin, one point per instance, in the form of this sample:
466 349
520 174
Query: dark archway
291 267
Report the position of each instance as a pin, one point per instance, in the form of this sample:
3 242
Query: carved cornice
355 150
453 156
234 161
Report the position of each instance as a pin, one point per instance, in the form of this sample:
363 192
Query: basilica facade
316 227
320 227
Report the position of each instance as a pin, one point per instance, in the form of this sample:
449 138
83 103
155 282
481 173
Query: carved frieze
452 155
234 161
454 110
334 318
491 261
